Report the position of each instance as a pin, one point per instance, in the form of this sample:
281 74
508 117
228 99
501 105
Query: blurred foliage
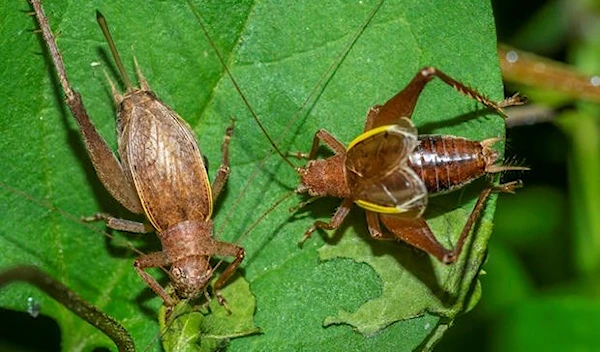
541 291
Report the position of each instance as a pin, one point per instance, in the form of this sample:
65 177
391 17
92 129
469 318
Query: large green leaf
278 54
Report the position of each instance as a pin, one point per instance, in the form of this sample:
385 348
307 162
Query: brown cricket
161 174
390 170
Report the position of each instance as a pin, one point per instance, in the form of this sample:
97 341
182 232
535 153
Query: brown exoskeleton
390 170
161 174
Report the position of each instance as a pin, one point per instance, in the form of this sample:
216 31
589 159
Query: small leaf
193 330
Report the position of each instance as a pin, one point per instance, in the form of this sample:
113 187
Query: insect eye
176 272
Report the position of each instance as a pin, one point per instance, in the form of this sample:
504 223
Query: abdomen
445 163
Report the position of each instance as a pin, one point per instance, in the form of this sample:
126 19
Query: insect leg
226 249
374 227
417 233
120 224
322 136
106 164
336 220
223 172
476 214
403 103
153 260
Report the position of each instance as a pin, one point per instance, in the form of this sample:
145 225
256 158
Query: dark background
541 288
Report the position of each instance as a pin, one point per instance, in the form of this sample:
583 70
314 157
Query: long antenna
256 222
113 49
324 77
235 84
332 68
328 74
77 219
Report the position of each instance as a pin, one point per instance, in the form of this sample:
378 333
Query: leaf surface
345 280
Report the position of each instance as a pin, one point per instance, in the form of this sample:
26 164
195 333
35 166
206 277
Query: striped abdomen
445 163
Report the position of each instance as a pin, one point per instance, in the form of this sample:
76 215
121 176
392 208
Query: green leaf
277 54
193 330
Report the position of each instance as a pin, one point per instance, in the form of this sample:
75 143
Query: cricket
160 173
391 171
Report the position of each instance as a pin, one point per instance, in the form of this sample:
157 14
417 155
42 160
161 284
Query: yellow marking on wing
369 134
380 208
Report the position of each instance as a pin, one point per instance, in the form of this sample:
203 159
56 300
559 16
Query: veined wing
166 166
378 173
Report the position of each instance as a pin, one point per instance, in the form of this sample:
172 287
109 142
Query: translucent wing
378 172
166 165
